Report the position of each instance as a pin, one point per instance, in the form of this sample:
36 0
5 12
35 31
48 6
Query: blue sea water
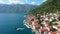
9 22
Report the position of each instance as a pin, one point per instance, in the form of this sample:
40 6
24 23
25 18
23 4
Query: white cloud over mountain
11 2
15 2
44 0
1 2
19 2
33 3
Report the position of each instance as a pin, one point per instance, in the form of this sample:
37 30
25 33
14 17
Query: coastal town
48 23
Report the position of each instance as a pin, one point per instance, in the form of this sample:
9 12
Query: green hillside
49 6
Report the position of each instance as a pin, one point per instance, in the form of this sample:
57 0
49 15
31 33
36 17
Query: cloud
19 2
1 2
44 0
33 3
11 2
15 2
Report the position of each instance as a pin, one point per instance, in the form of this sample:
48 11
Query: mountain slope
50 6
17 8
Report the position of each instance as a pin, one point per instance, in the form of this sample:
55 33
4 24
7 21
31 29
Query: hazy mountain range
16 8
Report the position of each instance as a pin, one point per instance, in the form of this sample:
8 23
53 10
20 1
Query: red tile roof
53 33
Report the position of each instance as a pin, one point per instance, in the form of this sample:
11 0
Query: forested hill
16 8
50 6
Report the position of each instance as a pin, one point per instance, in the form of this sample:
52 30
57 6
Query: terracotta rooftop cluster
44 24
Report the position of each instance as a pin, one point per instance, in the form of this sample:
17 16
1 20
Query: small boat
27 26
20 28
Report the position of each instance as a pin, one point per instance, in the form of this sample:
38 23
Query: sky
33 2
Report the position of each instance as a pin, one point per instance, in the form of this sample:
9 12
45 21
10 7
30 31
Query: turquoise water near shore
9 22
